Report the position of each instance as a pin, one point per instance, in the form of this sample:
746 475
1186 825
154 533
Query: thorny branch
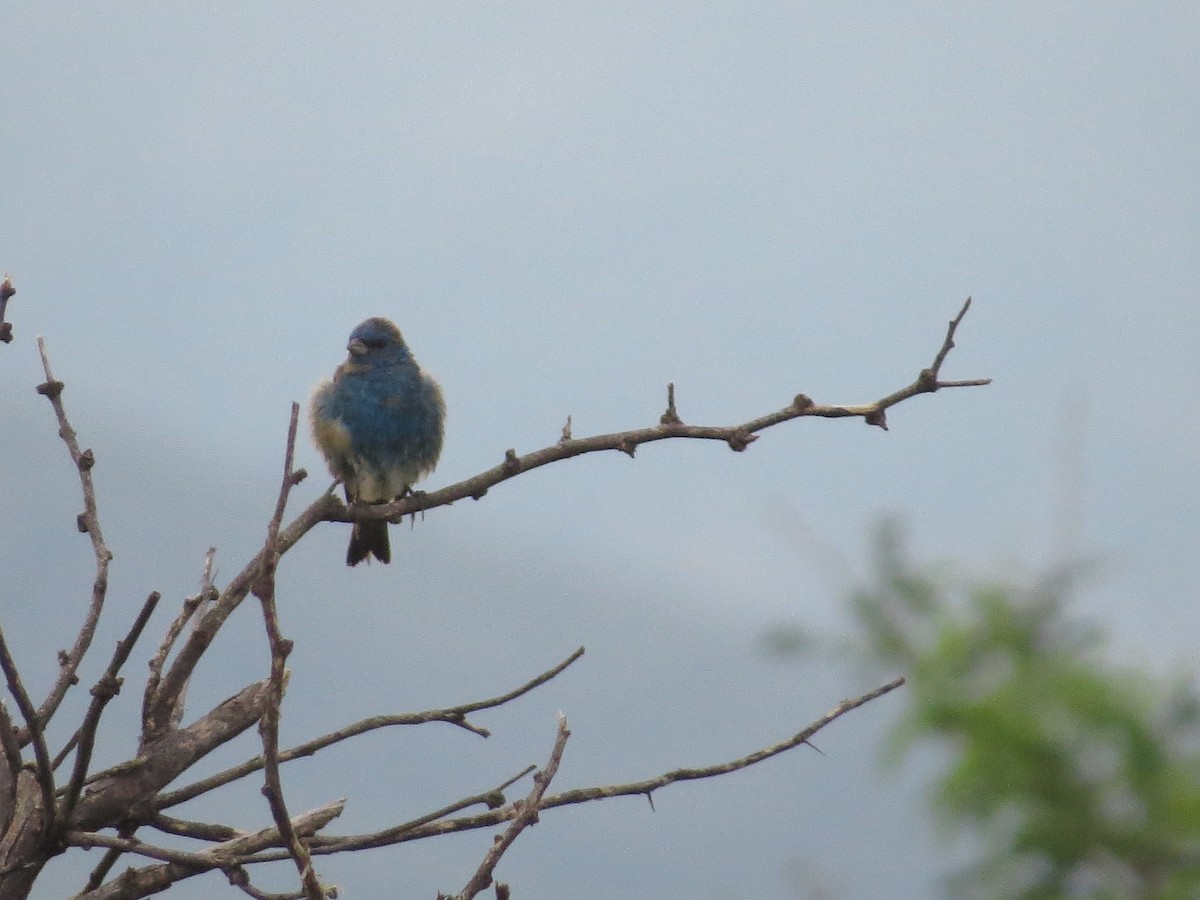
328 508
526 815
455 715
324 844
182 864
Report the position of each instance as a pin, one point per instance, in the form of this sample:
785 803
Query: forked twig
268 725
527 814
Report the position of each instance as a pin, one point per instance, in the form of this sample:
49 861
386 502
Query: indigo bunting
379 424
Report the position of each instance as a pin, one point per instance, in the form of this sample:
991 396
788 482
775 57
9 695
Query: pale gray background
565 206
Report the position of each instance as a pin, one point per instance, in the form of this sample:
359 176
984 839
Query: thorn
877 417
815 747
740 440
671 416
650 800
627 446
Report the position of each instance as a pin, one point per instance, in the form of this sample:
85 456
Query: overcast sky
565 207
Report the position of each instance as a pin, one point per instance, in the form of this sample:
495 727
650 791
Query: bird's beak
356 347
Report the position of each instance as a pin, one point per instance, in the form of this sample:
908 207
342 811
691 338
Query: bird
379 423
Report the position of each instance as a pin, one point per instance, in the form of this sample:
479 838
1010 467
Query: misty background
565 208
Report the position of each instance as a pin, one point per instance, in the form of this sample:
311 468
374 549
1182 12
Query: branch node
479 494
494 799
927 381
627 447
877 417
87 459
566 432
512 465
51 389
108 686
802 403
81 523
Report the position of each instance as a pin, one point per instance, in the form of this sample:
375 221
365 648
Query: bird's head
376 338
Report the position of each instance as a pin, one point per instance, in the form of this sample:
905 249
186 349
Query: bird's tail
367 539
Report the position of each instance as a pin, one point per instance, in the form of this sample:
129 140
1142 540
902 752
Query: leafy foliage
1080 777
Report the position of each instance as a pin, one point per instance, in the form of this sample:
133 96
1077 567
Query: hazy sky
566 206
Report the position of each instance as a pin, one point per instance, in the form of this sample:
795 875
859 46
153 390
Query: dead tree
52 802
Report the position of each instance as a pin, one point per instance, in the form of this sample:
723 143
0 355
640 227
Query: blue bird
379 424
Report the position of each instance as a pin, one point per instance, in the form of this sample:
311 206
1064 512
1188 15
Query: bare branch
268 726
190 606
321 845
738 437
455 715
104 690
527 814
137 883
98 874
119 792
6 292
87 522
201 831
44 770
12 750
176 678
493 799
240 879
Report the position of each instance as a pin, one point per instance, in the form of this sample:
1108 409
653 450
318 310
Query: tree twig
527 814
455 715
190 606
342 844
178 865
6 292
104 690
88 522
43 770
268 726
